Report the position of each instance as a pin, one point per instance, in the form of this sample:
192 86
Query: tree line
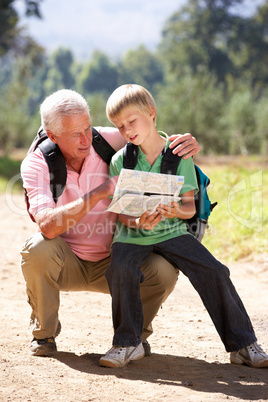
208 75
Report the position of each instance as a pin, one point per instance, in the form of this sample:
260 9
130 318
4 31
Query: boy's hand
184 144
169 211
148 220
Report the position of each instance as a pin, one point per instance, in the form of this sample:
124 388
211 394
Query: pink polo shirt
91 238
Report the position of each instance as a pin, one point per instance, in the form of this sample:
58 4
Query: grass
238 225
9 174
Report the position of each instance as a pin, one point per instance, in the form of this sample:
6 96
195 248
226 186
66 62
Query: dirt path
188 363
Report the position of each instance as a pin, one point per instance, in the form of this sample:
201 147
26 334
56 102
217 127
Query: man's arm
184 145
54 221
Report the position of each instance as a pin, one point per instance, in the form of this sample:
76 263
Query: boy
132 110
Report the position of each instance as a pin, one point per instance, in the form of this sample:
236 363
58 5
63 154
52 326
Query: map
137 192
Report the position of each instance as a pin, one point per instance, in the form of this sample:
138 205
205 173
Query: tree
61 61
98 75
208 35
142 67
12 37
194 104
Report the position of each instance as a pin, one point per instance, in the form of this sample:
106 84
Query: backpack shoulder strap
56 165
102 147
130 158
170 162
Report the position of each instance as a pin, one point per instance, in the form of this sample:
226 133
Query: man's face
76 139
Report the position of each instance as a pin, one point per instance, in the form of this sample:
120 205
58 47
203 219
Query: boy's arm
183 210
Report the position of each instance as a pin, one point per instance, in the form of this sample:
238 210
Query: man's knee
160 273
38 251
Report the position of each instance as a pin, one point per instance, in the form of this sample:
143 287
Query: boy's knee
123 270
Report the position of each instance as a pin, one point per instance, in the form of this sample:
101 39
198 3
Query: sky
111 26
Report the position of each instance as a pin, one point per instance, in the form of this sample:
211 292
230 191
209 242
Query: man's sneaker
253 356
147 348
119 356
45 347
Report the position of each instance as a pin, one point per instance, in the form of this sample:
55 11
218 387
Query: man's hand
107 188
184 145
55 221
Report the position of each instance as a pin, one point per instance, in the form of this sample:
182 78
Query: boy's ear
153 112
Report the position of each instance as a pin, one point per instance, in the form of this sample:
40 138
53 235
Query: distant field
238 225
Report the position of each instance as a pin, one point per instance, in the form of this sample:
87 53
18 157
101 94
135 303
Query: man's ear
52 136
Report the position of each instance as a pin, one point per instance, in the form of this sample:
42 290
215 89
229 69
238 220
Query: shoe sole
43 352
111 364
245 363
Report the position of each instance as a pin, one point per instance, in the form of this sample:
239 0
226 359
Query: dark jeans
209 277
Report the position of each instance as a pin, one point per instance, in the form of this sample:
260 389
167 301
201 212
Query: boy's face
135 126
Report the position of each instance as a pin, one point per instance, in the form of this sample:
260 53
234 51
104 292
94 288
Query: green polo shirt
167 229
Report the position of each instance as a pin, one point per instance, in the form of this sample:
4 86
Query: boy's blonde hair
129 95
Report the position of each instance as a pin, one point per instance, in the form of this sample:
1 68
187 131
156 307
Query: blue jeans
210 278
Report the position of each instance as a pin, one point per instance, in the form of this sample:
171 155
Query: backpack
56 163
169 165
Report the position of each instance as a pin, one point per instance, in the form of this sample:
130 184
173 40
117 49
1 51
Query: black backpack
169 165
56 162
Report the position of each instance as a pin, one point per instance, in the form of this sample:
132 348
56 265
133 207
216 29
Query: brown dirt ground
188 363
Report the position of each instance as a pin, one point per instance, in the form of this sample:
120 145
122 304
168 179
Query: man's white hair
64 102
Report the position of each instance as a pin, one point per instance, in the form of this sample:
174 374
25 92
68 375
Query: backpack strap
170 162
56 165
130 158
102 147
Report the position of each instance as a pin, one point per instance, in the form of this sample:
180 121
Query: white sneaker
119 356
252 356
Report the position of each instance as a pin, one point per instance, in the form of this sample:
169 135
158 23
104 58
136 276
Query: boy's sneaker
44 347
253 356
119 356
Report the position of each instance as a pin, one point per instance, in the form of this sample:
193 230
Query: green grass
239 223
9 174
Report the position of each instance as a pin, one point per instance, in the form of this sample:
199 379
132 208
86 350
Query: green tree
240 121
194 104
12 37
142 67
208 35
62 60
261 129
98 75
